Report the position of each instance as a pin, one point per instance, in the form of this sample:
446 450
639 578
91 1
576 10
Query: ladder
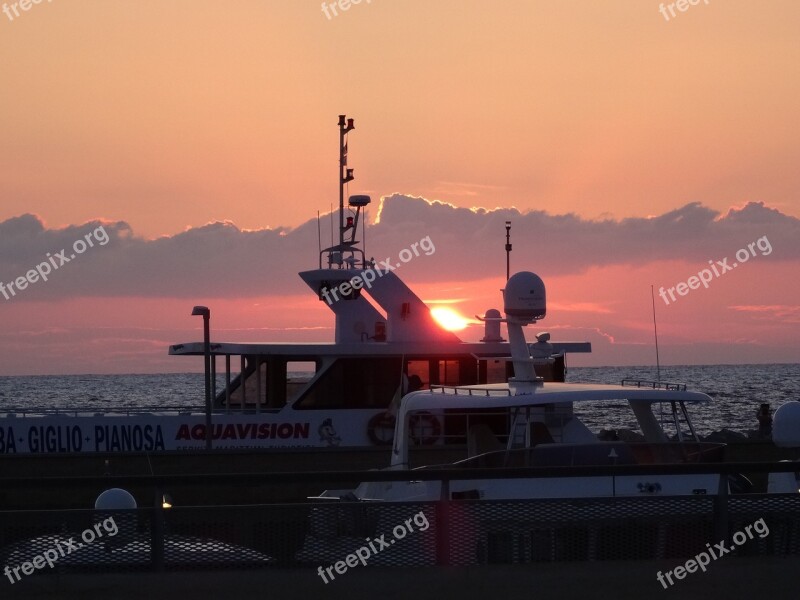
519 434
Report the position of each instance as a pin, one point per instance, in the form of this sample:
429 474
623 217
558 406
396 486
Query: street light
508 250
203 311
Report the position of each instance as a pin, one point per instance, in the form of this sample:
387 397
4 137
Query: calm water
737 391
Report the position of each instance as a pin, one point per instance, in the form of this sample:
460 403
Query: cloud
783 313
585 307
462 188
582 331
220 260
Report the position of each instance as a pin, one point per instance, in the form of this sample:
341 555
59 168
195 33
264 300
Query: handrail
470 390
656 385
90 410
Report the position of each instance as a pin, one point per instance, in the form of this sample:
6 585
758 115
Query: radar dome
786 426
524 297
115 499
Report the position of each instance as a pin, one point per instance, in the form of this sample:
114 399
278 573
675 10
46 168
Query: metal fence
448 532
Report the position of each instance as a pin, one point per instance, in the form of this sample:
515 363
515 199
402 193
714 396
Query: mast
343 253
345 174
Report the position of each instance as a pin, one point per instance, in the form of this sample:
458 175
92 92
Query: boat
546 431
384 347
495 506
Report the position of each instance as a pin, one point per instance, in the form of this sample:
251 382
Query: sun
449 319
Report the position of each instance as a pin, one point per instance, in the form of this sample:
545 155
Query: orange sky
170 115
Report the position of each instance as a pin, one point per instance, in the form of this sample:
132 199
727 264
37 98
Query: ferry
384 347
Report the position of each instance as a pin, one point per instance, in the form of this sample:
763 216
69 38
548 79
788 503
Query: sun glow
449 319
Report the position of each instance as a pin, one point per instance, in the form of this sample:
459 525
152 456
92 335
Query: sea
737 391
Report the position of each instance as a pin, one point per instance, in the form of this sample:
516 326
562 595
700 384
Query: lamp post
204 312
508 250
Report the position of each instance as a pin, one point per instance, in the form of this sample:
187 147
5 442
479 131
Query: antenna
342 254
508 249
345 174
655 330
319 234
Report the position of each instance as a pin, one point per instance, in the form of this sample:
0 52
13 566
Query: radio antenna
330 255
319 234
655 331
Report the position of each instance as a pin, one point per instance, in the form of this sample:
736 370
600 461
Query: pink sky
628 150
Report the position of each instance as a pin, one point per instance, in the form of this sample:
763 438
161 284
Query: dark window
354 383
298 374
422 369
496 371
449 372
252 386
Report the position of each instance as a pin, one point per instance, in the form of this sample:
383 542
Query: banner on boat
156 433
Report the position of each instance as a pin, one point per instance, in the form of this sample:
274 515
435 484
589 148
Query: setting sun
449 319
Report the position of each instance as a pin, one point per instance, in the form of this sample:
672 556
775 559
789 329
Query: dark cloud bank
220 260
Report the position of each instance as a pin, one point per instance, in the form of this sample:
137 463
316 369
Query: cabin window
298 374
449 372
443 371
279 381
422 369
252 388
354 383
496 371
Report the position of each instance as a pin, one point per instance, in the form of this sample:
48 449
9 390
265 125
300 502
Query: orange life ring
424 428
378 427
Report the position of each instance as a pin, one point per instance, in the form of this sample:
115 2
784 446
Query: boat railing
656 385
28 411
470 390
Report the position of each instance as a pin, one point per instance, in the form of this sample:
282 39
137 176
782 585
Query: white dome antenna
524 298
786 425
524 302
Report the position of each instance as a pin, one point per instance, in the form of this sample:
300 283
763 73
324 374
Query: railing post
443 526
157 532
227 383
721 509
